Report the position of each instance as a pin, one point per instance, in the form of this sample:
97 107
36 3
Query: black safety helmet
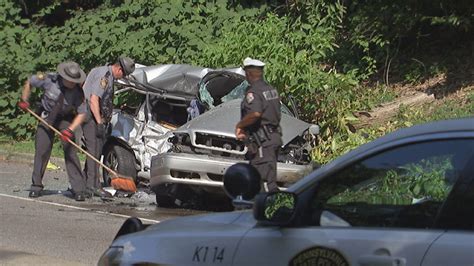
127 64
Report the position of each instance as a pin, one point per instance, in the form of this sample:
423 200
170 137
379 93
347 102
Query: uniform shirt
100 82
52 86
264 99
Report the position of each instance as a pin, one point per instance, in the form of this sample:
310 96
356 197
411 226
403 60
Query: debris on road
111 190
143 197
52 166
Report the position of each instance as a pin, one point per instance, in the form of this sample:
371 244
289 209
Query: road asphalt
13 257
55 229
34 232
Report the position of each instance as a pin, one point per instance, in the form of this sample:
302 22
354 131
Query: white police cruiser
404 199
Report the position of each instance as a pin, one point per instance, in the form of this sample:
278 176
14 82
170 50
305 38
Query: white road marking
78 208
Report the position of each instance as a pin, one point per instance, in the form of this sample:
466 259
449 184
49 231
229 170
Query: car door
381 210
456 245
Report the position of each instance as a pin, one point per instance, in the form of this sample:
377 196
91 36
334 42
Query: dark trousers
267 166
43 146
94 147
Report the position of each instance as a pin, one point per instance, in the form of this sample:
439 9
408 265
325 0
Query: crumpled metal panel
155 141
145 140
173 78
123 126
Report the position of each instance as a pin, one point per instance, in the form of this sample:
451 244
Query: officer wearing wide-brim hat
99 92
260 123
62 106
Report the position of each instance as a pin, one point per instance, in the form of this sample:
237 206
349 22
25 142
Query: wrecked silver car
180 136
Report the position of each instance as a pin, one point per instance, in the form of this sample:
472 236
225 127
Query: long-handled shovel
118 182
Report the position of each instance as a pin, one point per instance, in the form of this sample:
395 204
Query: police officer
62 106
260 123
99 92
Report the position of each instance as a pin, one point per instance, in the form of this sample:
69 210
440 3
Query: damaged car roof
175 79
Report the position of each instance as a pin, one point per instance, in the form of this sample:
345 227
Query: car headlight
111 256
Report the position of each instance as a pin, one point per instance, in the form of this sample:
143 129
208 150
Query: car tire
165 201
121 160
173 195
163 196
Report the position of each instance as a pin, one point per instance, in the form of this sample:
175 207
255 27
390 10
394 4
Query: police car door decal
319 256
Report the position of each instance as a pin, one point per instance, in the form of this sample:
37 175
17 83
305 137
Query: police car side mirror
242 183
131 225
275 207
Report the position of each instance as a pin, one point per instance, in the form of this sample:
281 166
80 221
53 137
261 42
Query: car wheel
165 201
164 197
121 160
173 195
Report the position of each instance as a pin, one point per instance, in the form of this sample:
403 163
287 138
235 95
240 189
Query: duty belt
263 134
272 128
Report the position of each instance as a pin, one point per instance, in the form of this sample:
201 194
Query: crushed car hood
214 122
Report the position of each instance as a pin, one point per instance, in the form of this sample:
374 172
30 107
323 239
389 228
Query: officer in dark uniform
62 106
260 123
99 92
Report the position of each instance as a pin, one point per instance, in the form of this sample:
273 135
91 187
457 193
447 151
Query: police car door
456 245
378 211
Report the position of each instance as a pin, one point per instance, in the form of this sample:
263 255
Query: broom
118 182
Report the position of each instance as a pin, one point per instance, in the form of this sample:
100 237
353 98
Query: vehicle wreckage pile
181 135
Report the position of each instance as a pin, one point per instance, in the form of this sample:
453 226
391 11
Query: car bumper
203 170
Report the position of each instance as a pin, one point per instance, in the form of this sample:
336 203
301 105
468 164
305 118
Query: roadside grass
448 108
28 146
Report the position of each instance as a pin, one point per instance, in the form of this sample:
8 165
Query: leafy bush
296 51
150 32
15 60
321 52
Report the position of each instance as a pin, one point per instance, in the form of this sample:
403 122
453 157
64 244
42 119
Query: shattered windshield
236 93
221 86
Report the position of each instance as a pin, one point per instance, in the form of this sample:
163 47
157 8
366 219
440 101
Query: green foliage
14 59
331 147
151 32
339 143
296 50
415 72
321 52
380 31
